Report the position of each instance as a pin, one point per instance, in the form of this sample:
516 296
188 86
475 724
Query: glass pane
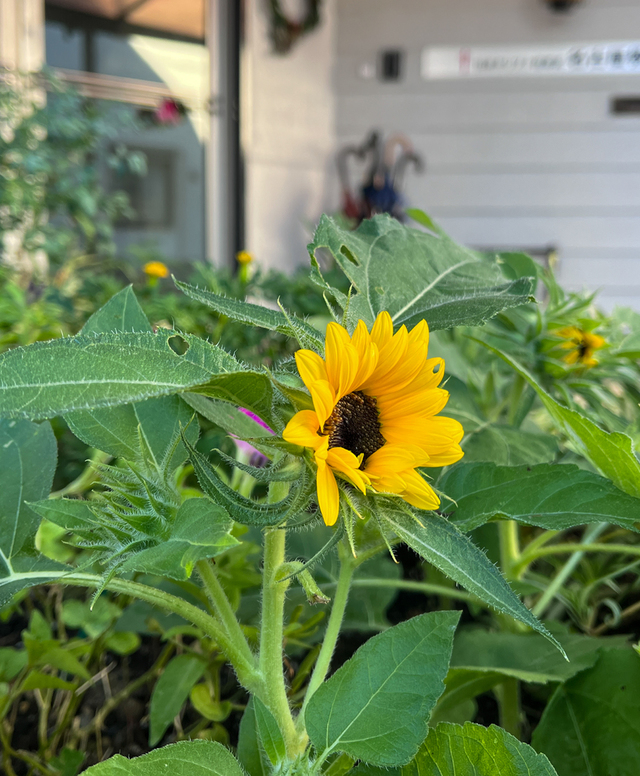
64 47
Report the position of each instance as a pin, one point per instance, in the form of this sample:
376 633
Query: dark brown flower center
355 425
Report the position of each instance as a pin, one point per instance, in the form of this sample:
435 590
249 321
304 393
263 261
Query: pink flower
256 458
169 112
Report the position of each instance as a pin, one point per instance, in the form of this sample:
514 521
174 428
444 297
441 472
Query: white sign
571 59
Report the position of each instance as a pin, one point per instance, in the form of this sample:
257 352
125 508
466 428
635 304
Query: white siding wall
288 136
511 161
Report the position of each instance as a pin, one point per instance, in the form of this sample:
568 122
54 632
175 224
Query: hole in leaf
178 344
346 252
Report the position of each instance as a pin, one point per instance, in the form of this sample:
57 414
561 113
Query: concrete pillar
22 34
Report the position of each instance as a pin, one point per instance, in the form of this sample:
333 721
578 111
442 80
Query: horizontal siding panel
448 151
606 273
581 234
414 114
527 190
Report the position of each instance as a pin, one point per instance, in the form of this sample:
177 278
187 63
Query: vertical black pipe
235 162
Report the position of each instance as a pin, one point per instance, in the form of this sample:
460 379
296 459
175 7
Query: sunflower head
376 399
580 346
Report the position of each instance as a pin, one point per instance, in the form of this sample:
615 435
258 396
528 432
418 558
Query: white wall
288 116
512 162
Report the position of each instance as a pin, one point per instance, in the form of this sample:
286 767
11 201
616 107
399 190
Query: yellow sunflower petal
346 462
419 335
311 367
445 458
419 493
382 329
328 493
341 359
572 357
324 400
424 403
302 430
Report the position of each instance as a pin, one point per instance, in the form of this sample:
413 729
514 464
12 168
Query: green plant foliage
611 453
550 496
257 315
415 275
27 464
376 705
186 758
86 372
250 751
527 657
592 722
470 750
269 733
448 549
171 691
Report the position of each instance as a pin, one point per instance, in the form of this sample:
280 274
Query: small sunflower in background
580 346
376 399
156 269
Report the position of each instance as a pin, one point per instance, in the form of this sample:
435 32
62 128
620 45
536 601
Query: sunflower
581 346
375 419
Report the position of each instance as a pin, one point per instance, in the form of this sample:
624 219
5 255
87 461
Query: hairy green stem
271 638
333 628
222 608
86 478
509 705
593 532
509 547
246 671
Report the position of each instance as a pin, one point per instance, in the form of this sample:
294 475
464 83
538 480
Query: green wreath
284 32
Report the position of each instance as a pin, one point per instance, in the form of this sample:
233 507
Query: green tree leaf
550 496
376 705
415 275
186 758
269 732
256 315
471 750
591 725
611 453
92 371
447 548
171 691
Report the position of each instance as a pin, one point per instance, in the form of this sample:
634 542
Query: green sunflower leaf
102 370
171 691
443 545
552 496
470 750
245 510
375 707
269 733
417 275
611 453
117 430
186 758
256 315
28 455
591 725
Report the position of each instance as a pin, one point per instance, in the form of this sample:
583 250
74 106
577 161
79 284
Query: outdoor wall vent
391 65
562 5
625 105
